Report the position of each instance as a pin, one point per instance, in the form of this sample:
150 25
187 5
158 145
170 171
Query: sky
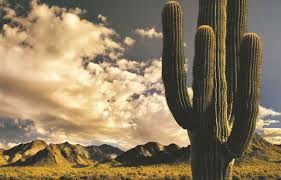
89 71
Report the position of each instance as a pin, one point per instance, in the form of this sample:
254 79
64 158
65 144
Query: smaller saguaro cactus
221 118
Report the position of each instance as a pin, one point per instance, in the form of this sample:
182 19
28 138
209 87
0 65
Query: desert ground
109 171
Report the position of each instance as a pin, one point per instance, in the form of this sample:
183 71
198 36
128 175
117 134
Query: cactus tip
251 35
172 1
205 28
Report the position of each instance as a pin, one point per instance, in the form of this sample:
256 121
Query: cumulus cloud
269 125
129 41
272 135
266 112
271 132
102 18
261 123
67 79
149 33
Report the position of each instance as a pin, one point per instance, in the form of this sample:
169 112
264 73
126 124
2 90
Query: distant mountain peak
154 145
39 153
152 153
105 145
37 142
155 153
66 143
23 151
172 147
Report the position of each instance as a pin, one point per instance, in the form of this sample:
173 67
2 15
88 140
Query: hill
39 153
75 154
103 152
154 153
50 156
2 159
22 152
259 151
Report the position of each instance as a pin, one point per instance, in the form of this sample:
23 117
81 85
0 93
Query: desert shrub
66 177
185 178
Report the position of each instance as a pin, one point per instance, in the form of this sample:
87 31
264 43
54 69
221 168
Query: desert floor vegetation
108 171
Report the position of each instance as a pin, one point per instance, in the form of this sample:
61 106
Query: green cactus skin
173 67
203 73
213 13
237 19
222 116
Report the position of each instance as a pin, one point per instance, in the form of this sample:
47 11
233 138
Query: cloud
265 112
13 129
268 125
129 41
66 79
102 18
149 33
272 135
271 132
63 78
265 123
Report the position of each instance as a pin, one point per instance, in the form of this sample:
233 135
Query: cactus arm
248 94
173 61
237 17
221 24
213 13
203 77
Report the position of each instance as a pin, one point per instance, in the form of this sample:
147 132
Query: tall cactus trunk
221 118
209 159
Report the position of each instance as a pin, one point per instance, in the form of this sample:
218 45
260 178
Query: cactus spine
226 83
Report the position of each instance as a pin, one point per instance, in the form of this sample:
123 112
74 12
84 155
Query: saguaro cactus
221 117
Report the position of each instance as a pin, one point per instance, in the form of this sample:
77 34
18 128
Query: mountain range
39 153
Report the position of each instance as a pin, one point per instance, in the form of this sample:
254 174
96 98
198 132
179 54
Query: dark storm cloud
16 130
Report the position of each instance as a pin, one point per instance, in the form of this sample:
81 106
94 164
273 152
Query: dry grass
175 172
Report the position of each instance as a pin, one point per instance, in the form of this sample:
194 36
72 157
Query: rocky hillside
38 153
103 152
259 151
154 153
22 152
